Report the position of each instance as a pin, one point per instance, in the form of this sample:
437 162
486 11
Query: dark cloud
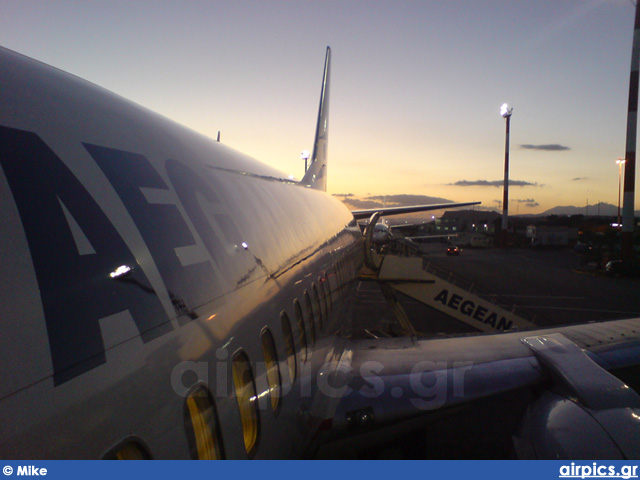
554 147
528 202
493 183
402 200
522 183
357 204
478 183
345 195
577 179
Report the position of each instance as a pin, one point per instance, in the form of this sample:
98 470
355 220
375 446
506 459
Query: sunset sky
415 94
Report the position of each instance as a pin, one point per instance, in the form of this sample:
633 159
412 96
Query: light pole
629 187
305 156
506 112
620 161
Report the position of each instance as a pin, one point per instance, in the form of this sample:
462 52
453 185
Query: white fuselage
137 259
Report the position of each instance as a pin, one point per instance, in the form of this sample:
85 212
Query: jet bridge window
201 425
289 346
302 331
273 368
247 399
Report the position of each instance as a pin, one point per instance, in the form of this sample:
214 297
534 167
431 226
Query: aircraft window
309 313
340 275
201 424
323 298
319 305
327 293
302 332
129 450
313 308
273 368
287 333
345 271
247 400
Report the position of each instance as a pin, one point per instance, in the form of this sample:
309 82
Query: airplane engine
558 427
586 414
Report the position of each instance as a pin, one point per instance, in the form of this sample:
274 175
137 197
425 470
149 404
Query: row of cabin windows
200 416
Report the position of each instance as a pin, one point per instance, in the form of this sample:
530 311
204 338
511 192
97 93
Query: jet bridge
411 277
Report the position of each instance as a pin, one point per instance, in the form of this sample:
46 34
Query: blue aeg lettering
75 286
183 265
75 247
211 220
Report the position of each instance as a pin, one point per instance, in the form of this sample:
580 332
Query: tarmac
548 287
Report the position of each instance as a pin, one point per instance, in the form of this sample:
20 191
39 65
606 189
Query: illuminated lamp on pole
305 156
506 112
620 162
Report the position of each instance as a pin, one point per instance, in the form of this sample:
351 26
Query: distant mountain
603 209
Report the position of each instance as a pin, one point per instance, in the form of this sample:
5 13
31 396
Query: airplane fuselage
142 258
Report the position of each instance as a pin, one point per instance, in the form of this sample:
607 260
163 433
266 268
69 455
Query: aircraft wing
386 211
550 388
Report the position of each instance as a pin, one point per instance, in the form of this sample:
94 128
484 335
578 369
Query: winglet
316 175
